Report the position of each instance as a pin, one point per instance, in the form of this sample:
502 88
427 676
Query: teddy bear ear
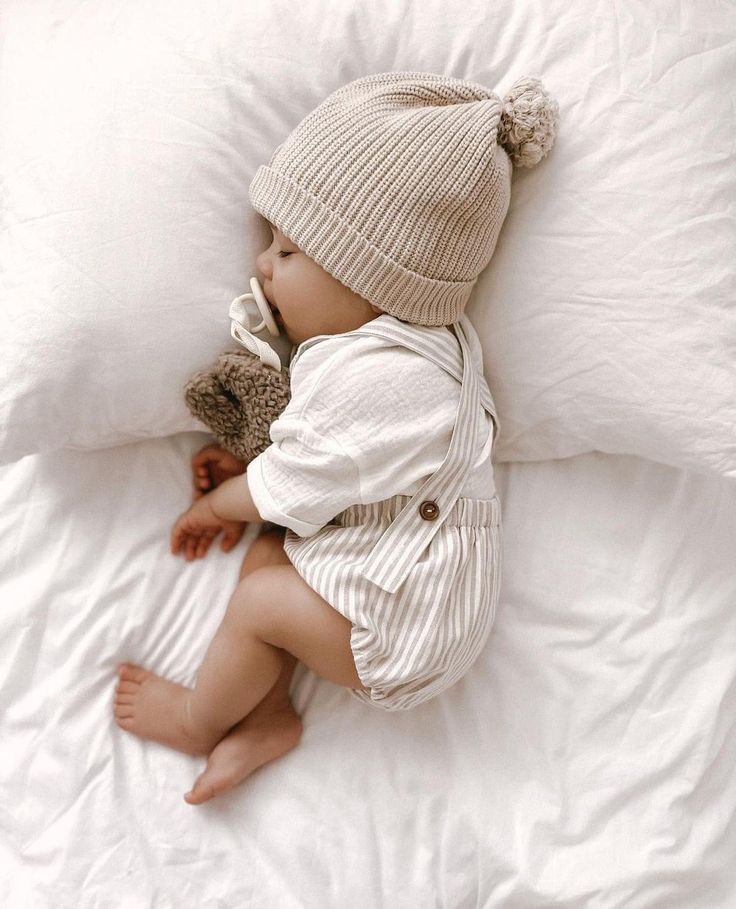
529 121
211 404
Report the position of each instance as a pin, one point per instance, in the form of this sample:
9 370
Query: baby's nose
263 264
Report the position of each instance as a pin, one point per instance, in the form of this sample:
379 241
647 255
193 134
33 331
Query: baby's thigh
290 615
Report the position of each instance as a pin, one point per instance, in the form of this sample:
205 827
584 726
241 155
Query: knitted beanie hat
398 184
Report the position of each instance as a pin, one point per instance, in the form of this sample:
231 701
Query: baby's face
306 300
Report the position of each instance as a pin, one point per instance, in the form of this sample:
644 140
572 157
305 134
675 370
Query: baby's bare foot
154 708
261 737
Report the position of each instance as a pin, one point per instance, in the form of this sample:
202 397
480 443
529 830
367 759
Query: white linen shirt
367 420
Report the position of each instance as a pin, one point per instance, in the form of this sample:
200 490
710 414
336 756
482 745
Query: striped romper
418 576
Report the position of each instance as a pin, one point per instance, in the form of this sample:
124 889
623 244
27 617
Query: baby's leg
273 727
269 731
272 610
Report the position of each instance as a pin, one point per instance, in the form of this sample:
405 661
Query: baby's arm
232 501
224 509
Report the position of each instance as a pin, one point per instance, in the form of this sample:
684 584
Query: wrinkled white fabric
597 724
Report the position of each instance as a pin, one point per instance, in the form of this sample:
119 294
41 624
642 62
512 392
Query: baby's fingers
231 537
201 482
205 455
197 545
178 537
204 543
185 541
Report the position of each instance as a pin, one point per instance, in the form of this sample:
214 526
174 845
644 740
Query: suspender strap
439 347
401 545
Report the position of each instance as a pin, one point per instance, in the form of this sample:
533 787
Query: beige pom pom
528 122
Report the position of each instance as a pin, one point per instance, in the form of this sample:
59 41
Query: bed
587 758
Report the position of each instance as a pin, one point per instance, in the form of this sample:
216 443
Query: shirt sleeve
304 478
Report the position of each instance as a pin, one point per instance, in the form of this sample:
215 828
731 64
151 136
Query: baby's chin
297 335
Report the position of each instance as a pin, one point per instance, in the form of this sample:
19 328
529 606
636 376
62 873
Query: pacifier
250 315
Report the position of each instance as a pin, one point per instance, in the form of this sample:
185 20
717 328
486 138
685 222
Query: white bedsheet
586 761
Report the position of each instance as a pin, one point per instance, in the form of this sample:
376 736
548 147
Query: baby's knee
252 603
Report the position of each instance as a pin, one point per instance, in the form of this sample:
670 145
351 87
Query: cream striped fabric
421 594
409 645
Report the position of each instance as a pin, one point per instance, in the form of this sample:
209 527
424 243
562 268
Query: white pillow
129 134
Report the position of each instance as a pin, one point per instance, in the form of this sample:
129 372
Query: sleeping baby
385 204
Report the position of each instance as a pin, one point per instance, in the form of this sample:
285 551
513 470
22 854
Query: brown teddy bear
237 399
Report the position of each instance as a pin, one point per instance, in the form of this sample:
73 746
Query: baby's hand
194 531
212 466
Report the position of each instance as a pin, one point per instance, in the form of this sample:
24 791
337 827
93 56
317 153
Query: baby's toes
123 710
130 673
127 687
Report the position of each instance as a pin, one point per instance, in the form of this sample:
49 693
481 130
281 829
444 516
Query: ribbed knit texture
397 186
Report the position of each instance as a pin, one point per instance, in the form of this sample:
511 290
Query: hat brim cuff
353 260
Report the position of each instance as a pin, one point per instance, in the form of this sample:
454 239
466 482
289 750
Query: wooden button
429 511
